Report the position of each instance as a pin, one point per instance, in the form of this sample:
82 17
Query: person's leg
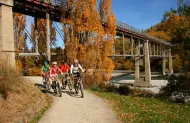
43 78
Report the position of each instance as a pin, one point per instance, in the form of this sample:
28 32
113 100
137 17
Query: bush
34 71
124 90
10 82
177 85
137 92
111 88
96 88
128 65
90 81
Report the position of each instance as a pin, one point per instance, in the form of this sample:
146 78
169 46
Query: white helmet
54 63
76 61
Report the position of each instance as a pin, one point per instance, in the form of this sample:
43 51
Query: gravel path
70 108
73 109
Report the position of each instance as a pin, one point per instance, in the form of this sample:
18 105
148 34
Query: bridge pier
147 80
137 61
6 32
163 62
48 36
170 62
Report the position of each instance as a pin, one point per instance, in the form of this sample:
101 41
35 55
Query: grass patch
39 115
19 98
148 110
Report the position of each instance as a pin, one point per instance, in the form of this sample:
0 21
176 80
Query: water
128 76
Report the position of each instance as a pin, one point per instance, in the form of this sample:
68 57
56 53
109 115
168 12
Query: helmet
76 61
45 62
54 63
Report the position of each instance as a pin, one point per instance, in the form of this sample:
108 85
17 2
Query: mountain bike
47 81
56 86
79 84
66 81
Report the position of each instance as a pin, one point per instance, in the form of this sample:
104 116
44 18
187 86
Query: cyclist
45 70
75 69
65 67
54 70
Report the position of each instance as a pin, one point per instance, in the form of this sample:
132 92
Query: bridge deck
39 9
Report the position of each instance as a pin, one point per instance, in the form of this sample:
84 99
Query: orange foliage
105 9
41 27
19 65
85 37
19 34
160 34
175 28
177 64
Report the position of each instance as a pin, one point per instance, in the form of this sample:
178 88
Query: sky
141 14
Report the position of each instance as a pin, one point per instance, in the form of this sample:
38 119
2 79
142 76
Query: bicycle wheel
48 86
59 89
81 89
69 84
63 84
54 87
76 87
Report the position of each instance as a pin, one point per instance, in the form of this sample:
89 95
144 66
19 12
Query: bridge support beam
154 49
147 80
123 41
170 62
150 48
36 35
137 61
132 43
48 36
147 64
163 62
6 32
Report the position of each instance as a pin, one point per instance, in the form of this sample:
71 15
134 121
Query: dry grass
19 100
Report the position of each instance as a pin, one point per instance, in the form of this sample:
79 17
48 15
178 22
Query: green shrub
111 88
176 83
96 88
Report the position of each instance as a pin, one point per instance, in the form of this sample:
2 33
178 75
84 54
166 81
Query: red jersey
65 68
54 70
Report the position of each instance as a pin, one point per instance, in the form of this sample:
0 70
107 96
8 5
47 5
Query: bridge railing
128 27
53 2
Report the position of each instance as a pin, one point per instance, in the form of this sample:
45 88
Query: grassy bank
20 100
39 115
148 110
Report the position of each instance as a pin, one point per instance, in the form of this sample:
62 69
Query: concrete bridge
142 46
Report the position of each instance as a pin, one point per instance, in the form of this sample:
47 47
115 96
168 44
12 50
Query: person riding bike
65 70
75 69
65 67
45 70
54 70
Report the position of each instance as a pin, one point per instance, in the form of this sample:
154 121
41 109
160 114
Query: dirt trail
70 108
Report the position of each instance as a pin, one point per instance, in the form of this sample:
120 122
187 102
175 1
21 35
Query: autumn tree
20 37
19 33
86 38
175 27
42 41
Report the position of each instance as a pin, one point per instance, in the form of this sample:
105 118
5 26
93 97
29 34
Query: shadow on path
44 90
